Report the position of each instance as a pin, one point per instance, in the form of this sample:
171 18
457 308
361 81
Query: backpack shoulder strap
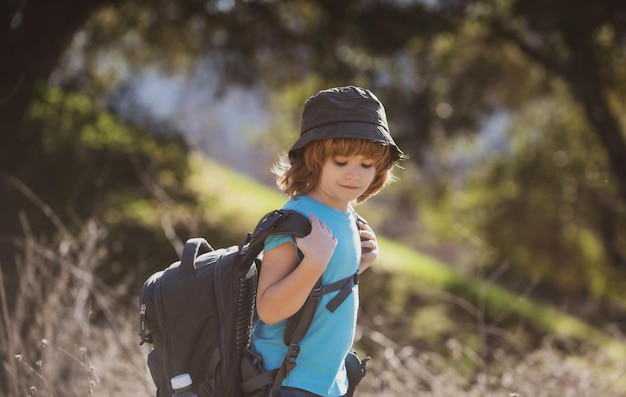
298 325
296 328
274 222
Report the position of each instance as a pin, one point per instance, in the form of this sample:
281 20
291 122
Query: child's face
343 179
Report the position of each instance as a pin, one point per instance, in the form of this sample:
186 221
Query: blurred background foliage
513 113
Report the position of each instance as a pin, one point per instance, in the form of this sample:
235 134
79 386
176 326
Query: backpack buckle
243 247
316 293
292 352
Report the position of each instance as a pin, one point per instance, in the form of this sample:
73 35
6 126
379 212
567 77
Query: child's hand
369 246
319 245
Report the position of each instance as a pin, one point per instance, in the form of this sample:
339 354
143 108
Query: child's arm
284 284
369 246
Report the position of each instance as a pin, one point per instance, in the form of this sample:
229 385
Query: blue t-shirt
320 365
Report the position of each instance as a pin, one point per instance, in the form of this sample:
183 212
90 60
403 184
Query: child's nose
353 173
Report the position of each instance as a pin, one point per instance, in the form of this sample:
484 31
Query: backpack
198 315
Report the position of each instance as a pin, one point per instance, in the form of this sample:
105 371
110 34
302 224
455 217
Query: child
344 155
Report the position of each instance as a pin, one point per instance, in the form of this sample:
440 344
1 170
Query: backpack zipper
143 299
142 323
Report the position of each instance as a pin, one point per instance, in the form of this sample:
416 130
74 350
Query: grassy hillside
418 271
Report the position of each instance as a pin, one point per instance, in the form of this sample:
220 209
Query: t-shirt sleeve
278 239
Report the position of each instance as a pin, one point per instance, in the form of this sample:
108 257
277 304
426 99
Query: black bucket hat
345 112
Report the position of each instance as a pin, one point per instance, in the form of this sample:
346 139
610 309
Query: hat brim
350 130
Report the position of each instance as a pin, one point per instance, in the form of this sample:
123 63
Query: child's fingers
368 245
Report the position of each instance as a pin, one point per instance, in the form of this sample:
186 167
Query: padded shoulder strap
276 222
283 222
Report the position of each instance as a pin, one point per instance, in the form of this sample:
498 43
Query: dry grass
68 334
65 333
544 372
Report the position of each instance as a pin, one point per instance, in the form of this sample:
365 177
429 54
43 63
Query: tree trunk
33 36
606 128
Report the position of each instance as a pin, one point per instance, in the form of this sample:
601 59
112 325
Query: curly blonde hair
300 172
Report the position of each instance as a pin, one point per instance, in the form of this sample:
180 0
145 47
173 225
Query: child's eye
370 165
340 161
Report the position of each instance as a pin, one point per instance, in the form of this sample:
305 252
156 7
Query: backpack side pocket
156 371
